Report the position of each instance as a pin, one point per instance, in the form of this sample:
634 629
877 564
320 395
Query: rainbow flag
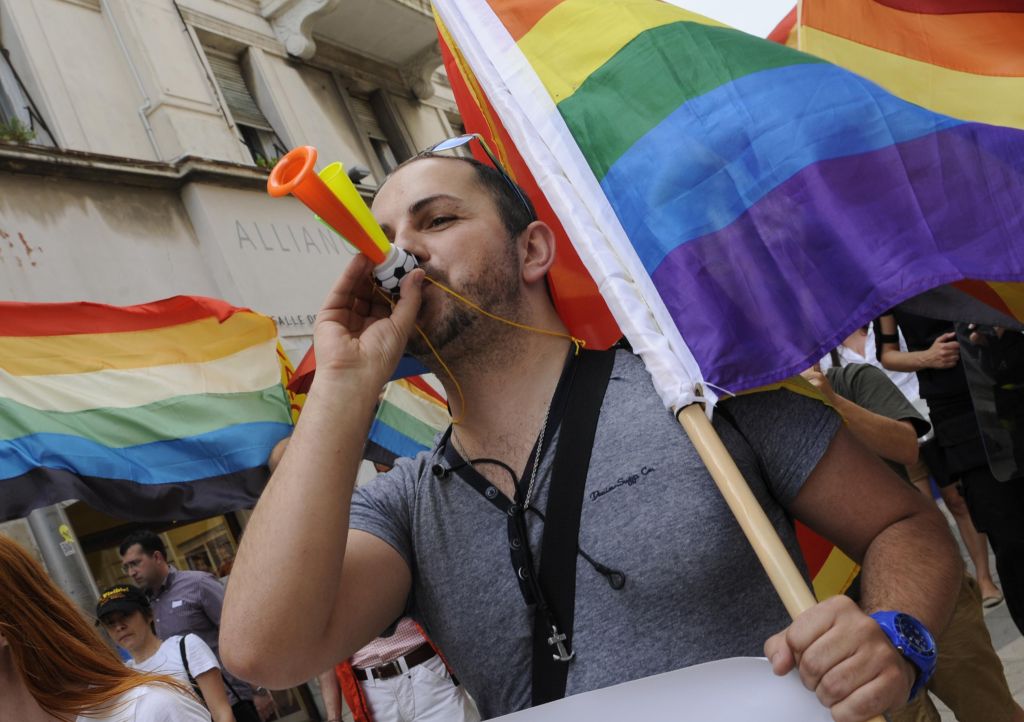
742 206
963 58
162 411
411 413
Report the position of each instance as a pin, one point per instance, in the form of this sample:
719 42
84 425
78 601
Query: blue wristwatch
913 641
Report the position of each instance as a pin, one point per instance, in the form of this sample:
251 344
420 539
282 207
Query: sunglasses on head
461 140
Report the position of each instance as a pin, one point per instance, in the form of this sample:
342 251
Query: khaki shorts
969 678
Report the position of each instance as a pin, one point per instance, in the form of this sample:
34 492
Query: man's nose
413 243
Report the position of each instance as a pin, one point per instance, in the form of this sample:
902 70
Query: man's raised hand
358 331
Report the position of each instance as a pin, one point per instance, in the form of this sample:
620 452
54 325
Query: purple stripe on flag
843 241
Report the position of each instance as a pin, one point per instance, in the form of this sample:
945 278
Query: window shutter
367 118
236 93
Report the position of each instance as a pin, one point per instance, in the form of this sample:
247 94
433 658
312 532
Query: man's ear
538 248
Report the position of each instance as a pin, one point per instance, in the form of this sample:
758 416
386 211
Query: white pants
425 693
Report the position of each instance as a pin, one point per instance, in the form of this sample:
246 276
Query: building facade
136 137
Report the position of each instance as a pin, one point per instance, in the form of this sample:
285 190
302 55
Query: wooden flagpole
773 555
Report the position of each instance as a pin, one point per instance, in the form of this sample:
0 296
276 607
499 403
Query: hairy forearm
887 438
920 548
297 533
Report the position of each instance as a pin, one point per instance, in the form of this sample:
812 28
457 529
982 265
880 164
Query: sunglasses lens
463 140
453 142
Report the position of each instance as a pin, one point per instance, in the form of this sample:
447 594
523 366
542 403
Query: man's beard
459 328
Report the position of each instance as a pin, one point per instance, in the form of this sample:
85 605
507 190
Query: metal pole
63 556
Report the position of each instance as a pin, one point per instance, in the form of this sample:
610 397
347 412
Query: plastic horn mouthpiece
337 203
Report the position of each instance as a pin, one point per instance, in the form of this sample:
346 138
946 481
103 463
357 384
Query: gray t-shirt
694 589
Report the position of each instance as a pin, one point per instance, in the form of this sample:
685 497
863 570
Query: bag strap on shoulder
552 633
188 672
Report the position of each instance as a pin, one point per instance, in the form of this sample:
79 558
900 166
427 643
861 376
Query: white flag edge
564 176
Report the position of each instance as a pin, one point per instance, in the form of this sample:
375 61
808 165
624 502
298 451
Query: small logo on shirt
177 603
631 480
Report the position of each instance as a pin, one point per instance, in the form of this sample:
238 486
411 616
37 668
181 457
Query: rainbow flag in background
411 413
759 203
162 411
963 58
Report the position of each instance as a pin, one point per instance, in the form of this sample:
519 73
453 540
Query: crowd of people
442 591
54 664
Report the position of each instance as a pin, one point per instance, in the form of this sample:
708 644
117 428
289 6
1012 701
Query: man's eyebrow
423 202
419 206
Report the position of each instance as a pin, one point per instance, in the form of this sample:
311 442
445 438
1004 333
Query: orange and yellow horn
294 174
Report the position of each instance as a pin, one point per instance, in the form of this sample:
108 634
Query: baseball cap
121 598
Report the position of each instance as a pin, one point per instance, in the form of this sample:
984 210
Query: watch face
916 638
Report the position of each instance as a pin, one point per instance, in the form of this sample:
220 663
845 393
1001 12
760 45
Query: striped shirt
190 602
382 650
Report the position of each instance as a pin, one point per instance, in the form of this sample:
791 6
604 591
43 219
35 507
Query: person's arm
203 665
333 589
910 564
331 693
895 440
944 352
211 684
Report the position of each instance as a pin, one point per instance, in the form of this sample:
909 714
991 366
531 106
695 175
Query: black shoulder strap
188 672
552 632
192 680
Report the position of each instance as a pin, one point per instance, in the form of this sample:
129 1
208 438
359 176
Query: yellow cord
458 387
578 343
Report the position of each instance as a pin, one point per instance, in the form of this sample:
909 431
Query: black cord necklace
460 464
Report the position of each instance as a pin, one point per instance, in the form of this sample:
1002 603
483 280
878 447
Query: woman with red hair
54 665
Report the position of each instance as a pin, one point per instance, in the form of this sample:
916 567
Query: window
257 134
455 121
19 119
369 123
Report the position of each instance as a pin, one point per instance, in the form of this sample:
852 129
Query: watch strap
918 648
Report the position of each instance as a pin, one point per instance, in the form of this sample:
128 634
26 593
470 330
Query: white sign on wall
270 254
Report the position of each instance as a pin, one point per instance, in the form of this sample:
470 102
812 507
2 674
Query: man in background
183 602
